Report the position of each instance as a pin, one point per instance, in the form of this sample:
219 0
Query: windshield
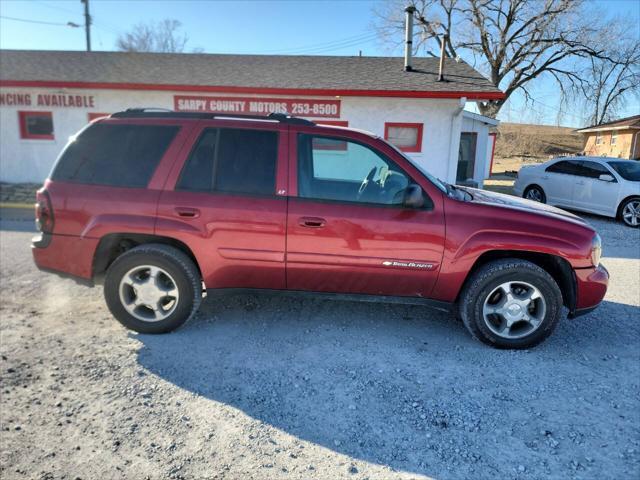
629 170
444 187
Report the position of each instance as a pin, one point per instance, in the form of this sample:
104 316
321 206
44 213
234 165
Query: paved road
286 388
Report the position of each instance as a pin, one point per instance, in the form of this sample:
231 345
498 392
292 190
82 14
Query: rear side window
115 155
232 161
568 167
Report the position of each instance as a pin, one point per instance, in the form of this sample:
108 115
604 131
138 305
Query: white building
47 96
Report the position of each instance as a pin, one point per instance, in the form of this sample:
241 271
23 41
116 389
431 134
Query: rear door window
115 155
232 161
568 167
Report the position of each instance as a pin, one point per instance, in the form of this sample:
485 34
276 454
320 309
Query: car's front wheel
153 288
511 303
535 193
629 212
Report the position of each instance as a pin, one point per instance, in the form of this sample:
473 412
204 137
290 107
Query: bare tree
512 41
611 84
161 36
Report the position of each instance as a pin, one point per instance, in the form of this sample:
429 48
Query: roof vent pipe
408 40
441 71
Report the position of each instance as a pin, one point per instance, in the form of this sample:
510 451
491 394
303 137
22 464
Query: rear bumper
591 287
67 256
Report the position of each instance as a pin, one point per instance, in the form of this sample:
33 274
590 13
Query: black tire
537 191
486 279
623 205
178 265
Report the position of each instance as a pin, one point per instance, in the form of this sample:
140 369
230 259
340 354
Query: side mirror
605 177
413 196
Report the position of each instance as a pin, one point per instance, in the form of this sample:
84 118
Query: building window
36 125
406 136
320 143
614 138
598 139
93 115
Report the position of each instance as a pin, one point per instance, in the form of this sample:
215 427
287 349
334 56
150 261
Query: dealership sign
302 107
47 100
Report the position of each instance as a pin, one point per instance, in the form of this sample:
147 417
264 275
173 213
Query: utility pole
87 23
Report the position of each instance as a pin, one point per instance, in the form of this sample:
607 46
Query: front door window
338 169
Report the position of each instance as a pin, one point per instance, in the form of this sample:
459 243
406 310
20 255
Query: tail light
44 212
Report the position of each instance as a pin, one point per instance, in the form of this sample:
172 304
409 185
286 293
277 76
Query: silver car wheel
534 194
631 213
514 310
148 293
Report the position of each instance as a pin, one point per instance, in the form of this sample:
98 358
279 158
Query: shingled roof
322 75
632 122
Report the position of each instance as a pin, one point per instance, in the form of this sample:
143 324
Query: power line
26 20
340 46
332 45
57 7
101 24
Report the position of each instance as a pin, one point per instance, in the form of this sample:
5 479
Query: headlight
596 250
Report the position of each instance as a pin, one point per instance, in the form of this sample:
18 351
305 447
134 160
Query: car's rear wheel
511 303
629 212
535 193
153 288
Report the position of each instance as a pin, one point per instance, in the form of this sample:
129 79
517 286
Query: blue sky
284 27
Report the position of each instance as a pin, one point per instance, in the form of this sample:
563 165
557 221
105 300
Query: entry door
222 203
347 230
593 194
466 156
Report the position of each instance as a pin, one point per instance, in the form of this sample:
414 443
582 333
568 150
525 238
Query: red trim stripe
259 90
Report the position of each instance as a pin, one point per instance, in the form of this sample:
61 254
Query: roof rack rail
166 113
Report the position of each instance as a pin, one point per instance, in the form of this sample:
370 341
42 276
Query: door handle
545 177
312 222
187 212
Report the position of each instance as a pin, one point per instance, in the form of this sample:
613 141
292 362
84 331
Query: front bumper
591 287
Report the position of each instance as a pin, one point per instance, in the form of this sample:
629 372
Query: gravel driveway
266 387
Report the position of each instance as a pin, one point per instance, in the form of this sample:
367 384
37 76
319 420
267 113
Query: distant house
613 139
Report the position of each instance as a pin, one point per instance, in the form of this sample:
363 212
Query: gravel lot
264 387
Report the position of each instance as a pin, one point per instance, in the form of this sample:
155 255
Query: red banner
300 107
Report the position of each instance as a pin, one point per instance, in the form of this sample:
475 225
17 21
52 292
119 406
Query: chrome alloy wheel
631 213
514 309
148 293
534 194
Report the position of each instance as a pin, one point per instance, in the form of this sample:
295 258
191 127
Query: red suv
160 206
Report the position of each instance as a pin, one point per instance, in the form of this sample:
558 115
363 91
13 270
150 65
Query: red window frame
24 132
419 126
93 115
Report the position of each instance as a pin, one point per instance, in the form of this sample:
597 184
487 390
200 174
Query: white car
605 186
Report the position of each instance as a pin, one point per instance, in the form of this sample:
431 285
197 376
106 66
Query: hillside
519 143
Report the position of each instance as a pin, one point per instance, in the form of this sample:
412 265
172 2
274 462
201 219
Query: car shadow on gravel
393 385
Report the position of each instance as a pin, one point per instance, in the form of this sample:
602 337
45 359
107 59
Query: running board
346 297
